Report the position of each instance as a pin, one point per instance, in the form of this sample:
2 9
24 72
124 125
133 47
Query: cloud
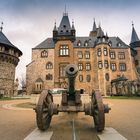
29 22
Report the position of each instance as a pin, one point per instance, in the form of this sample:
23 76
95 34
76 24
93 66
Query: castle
100 59
9 58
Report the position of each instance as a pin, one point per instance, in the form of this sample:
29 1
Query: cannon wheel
43 116
98 111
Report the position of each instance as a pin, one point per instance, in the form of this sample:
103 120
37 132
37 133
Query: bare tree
22 81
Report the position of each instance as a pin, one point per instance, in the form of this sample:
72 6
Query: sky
28 22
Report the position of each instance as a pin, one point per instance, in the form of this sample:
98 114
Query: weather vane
1 28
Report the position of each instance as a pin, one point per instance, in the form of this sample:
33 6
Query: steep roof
47 43
116 42
39 80
64 26
4 40
134 36
100 32
94 26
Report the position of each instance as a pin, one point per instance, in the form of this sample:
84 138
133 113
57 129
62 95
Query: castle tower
9 58
64 31
63 37
135 44
93 33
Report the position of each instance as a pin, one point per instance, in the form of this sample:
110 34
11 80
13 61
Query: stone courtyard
124 117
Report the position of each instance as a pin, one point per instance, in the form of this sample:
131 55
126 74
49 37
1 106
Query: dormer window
110 43
86 44
119 45
79 43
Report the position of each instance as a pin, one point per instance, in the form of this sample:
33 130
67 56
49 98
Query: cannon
70 102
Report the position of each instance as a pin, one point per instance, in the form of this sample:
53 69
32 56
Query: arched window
86 43
88 78
79 43
107 77
81 78
110 43
49 77
49 65
105 51
44 53
100 65
106 64
99 52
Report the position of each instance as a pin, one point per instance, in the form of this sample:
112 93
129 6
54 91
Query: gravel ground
124 117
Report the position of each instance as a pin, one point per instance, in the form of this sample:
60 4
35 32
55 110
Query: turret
101 37
93 33
64 31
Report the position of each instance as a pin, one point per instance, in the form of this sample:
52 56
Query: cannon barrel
71 73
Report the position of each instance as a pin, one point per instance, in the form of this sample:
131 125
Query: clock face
138 70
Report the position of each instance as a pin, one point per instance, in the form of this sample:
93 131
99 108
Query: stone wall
37 69
7 75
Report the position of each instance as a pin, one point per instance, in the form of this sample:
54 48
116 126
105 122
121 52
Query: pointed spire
64 24
94 26
1 28
65 12
73 28
55 26
100 32
134 36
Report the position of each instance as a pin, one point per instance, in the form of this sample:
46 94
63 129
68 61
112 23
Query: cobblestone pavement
124 117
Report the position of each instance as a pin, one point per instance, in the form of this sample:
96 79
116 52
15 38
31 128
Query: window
105 52
100 65
88 66
88 78
62 70
86 43
38 86
87 55
121 55
49 65
79 43
106 64
113 67
44 53
112 55
99 52
80 66
119 44
81 78
64 50
80 54
122 67
110 43
49 77
107 77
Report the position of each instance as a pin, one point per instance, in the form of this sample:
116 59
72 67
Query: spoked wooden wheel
98 111
43 115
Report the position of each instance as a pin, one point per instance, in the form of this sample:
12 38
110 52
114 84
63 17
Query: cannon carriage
71 102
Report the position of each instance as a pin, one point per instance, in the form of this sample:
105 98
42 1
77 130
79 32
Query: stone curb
12 107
